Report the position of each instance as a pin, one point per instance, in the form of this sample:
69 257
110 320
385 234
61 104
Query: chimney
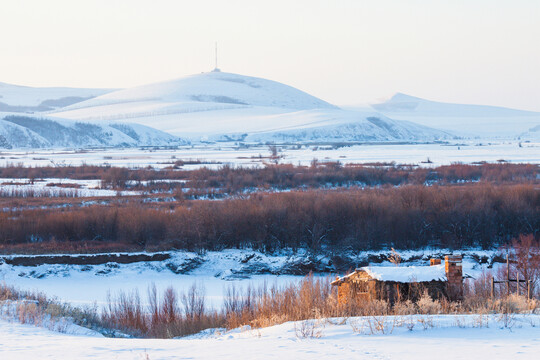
433 262
454 275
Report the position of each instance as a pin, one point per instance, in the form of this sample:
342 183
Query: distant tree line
405 217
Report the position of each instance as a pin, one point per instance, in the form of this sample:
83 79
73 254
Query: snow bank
446 340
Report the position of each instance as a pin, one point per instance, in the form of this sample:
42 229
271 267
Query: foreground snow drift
451 337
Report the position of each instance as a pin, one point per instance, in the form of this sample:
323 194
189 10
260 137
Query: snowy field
451 337
81 288
229 153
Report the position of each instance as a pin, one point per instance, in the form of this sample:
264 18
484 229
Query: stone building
396 283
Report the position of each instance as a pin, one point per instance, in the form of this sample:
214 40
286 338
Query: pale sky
343 51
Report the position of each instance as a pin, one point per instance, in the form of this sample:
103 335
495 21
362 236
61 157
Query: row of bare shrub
404 217
162 316
174 314
28 192
282 176
335 174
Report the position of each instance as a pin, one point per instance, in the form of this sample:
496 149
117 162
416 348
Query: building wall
359 286
350 291
454 274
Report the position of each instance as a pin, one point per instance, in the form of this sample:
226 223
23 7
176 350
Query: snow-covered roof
406 273
403 274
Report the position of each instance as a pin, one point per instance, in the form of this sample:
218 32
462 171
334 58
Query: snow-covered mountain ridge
219 106
24 123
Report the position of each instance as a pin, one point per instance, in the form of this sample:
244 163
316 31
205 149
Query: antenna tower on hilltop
216 69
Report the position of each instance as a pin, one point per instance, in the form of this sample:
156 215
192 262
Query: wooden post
492 288
507 276
517 284
529 290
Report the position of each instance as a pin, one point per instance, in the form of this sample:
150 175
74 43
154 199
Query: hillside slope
20 131
472 120
16 98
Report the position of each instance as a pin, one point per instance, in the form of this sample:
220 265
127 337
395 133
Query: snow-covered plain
215 155
451 337
85 288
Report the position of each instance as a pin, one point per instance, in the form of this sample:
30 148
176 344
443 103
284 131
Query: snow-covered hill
16 98
212 90
471 120
533 134
24 123
219 106
22 131
335 125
